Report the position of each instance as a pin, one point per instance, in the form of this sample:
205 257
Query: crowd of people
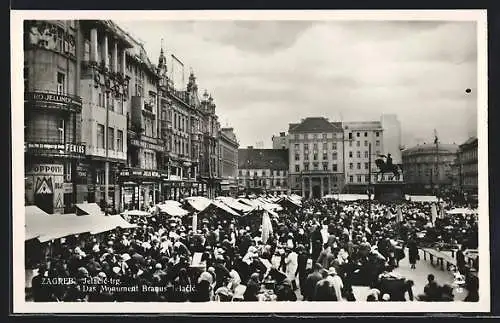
315 252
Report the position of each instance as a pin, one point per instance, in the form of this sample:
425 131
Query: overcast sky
264 75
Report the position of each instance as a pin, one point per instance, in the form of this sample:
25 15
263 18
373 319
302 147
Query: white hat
386 297
332 271
116 270
158 266
126 257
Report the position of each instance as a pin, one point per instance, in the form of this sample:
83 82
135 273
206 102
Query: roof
427 148
470 141
363 125
315 124
263 158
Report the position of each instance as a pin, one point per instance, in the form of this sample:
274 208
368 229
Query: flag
267 227
399 217
195 222
433 213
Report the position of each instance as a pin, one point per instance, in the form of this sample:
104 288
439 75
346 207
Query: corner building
316 157
52 120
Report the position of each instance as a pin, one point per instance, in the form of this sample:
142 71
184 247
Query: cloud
266 74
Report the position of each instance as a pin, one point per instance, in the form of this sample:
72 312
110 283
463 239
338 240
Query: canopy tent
172 208
270 205
249 202
461 210
199 203
288 201
88 208
224 207
136 213
422 198
50 227
234 204
351 197
263 208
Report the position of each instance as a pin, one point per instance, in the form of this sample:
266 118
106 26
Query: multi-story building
263 171
358 155
141 179
52 118
467 156
428 168
281 141
228 161
316 151
209 162
104 90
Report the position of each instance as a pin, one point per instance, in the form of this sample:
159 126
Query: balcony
53 100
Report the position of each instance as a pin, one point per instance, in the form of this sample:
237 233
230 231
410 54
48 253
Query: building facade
263 171
281 141
428 168
316 151
363 145
105 94
467 156
228 161
54 148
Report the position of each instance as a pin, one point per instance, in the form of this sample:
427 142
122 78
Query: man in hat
311 281
336 282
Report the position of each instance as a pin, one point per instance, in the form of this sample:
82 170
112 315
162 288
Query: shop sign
147 144
53 98
68 188
68 148
47 169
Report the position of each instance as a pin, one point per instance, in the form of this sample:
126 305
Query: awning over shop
49 227
172 208
461 210
290 201
263 208
224 207
422 198
89 209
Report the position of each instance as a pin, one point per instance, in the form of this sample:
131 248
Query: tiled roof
315 124
251 158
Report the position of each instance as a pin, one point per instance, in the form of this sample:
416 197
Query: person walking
412 253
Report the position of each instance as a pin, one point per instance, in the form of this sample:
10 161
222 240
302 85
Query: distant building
281 141
358 137
263 171
428 168
228 163
467 156
316 148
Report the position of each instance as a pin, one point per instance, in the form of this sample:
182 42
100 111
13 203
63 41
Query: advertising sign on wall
47 185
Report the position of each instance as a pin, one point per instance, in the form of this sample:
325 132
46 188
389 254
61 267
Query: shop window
61 130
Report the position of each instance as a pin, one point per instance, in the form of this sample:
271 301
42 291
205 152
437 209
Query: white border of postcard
21 306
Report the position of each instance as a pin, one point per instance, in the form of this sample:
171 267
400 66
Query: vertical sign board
48 179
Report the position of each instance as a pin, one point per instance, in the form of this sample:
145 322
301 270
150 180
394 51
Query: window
377 143
366 134
296 137
297 146
297 168
315 166
325 166
358 143
350 154
100 136
119 140
60 130
359 166
315 156
334 167
334 156
367 178
377 134
315 136
86 51
26 78
357 135
61 83
315 146
111 138
366 165
351 179
359 179
350 135
306 167
324 136
325 155
366 154
334 146
351 166
358 154
297 157
366 143
350 143
306 156
306 147
325 146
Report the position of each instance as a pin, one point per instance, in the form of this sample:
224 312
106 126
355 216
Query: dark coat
412 252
